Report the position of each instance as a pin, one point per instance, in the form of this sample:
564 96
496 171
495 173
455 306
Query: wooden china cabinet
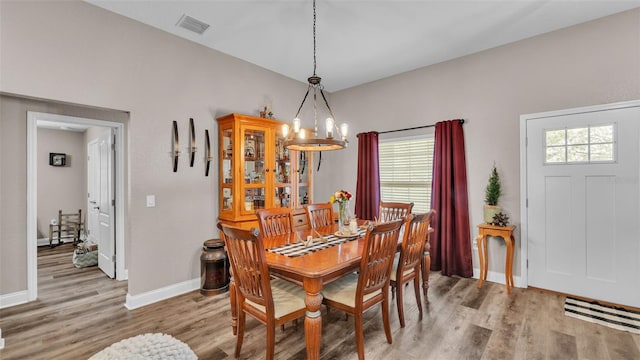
257 172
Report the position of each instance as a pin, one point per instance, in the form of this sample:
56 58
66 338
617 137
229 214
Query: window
580 145
405 171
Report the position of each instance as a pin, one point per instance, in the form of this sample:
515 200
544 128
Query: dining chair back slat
275 221
390 211
319 215
377 259
247 258
355 293
407 268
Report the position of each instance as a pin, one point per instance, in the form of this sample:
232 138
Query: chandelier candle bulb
302 134
296 125
285 130
344 128
329 128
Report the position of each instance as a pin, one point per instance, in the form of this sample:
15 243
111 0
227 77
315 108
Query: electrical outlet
151 201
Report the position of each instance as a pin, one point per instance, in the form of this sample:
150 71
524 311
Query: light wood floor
80 311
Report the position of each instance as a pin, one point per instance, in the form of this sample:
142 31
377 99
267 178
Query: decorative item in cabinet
256 171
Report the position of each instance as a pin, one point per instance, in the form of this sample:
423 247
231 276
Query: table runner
298 248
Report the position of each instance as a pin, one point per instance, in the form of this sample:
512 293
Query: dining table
326 258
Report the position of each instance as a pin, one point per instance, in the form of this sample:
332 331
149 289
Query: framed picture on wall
57 159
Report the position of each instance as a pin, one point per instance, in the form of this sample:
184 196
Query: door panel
583 217
106 248
93 184
600 214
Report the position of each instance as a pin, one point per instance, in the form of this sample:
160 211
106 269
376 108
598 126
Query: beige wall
77 53
592 63
60 187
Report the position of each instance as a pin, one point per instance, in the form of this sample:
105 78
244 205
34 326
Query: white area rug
147 346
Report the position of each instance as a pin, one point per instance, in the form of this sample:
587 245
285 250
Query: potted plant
492 194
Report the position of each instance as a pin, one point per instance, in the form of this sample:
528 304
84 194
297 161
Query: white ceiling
359 41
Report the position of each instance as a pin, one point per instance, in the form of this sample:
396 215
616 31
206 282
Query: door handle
97 207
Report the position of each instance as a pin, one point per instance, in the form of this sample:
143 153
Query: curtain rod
413 128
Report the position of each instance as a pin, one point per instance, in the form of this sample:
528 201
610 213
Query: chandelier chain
314 37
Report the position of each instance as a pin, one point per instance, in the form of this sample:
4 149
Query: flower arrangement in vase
342 197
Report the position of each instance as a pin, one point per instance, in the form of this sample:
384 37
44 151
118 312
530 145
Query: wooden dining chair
319 215
406 267
390 211
271 301
275 221
356 293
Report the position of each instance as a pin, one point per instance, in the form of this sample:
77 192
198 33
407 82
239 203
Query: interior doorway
115 193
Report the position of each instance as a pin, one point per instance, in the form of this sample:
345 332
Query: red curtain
451 239
368 182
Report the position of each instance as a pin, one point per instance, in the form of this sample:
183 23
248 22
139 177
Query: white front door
100 206
583 218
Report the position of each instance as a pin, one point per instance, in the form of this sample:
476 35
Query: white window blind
405 171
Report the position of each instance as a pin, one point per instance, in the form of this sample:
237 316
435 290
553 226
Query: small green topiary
492 193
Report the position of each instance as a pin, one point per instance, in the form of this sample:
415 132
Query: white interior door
583 204
101 210
93 184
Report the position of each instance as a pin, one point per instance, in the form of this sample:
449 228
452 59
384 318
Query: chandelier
335 138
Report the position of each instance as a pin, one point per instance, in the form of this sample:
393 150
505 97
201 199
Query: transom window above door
580 145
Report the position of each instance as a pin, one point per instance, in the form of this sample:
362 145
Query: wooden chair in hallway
275 221
407 266
390 211
319 214
270 301
68 226
356 293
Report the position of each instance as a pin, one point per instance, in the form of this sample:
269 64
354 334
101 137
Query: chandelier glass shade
335 137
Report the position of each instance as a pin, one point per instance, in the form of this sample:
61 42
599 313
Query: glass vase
343 216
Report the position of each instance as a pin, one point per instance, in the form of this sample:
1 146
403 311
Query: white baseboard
13 299
124 275
136 301
498 277
45 241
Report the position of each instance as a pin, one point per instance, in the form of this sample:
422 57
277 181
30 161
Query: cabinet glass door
253 199
227 169
254 169
304 169
253 150
282 175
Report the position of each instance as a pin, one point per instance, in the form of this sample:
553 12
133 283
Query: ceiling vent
192 24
